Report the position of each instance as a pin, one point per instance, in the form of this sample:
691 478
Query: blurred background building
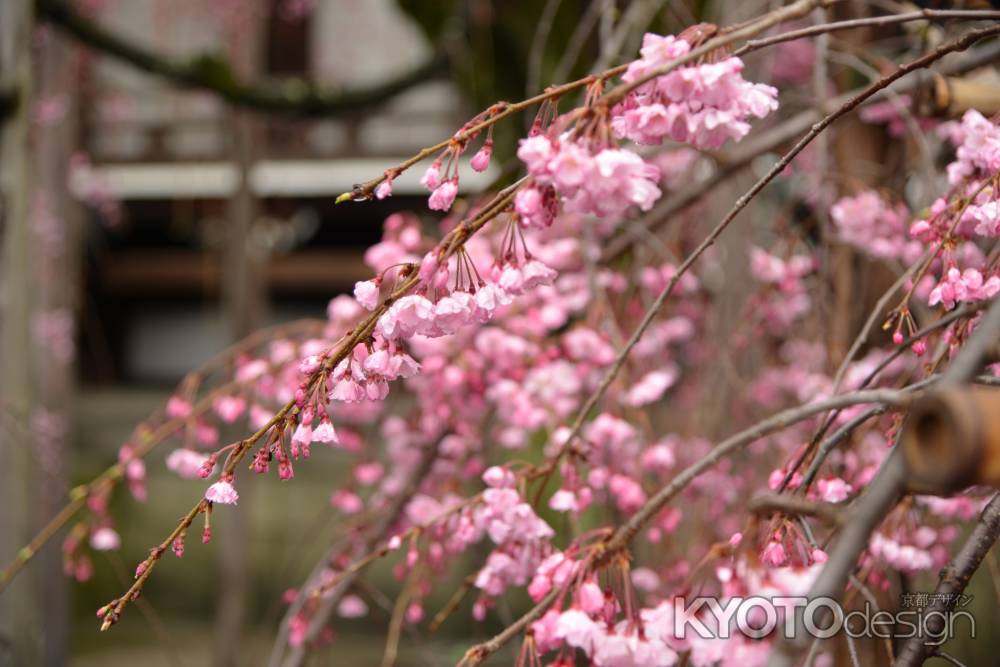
164 224
179 162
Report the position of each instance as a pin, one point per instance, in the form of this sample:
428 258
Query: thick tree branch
211 73
624 534
883 494
775 503
954 578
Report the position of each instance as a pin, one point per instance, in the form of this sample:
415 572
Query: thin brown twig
881 497
770 503
452 604
111 612
741 155
873 318
450 244
386 519
167 643
480 652
396 621
147 442
868 22
618 540
502 110
624 534
742 202
969 309
954 578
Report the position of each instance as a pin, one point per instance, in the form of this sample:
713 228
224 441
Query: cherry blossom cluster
701 104
963 286
977 142
951 229
787 297
587 173
522 539
441 177
602 181
867 222
611 631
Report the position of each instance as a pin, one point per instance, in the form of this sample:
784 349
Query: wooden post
244 298
20 605
56 280
951 440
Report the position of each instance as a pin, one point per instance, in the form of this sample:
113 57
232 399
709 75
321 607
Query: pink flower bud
414 613
310 364
774 554
590 597
432 177
428 267
481 160
207 467
105 539
443 196
178 408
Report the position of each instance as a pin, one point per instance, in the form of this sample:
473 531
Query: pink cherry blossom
324 432
178 408
229 408
702 104
432 176
105 539
186 463
651 386
346 502
603 182
384 189
964 286
367 293
978 152
498 478
986 216
834 490
536 206
870 224
222 492
590 597
443 195
369 473
774 554
351 606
